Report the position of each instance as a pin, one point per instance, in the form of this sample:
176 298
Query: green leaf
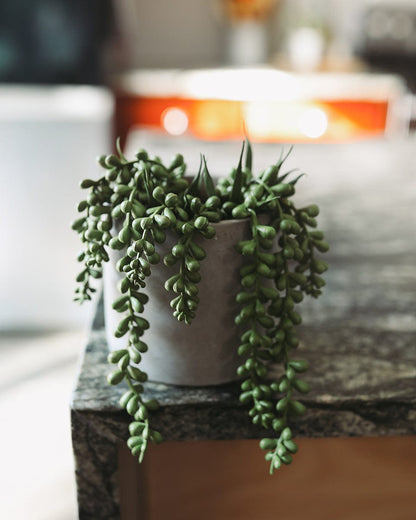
125 398
201 222
319 266
291 446
82 276
282 158
78 224
295 180
299 365
297 408
116 355
119 302
136 428
236 192
284 176
194 187
134 354
123 326
115 377
137 451
246 397
136 374
286 459
312 210
146 184
207 179
133 405
249 156
156 437
268 444
267 232
124 235
87 183
278 424
152 404
246 247
321 246
248 281
301 386
240 211
177 161
118 148
269 175
134 442
197 251
284 189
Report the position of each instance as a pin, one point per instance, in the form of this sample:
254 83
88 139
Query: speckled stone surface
359 337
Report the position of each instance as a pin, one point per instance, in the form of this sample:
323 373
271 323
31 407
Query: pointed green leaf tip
196 181
202 184
208 182
249 156
236 193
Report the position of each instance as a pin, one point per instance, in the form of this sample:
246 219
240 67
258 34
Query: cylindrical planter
205 352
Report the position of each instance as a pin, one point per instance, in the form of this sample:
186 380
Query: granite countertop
359 337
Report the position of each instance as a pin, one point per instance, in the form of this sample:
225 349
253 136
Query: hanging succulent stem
133 207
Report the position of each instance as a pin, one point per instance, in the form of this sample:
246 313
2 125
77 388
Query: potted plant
147 221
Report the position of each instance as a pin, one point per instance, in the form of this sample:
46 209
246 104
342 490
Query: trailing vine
133 207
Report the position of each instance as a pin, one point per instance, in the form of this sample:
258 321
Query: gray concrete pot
205 352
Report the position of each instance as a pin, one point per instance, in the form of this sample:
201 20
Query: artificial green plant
135 204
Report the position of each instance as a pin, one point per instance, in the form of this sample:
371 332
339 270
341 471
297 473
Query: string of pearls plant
148 199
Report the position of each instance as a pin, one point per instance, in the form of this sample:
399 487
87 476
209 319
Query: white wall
49 139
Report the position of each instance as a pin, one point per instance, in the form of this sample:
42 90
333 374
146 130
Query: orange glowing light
272 106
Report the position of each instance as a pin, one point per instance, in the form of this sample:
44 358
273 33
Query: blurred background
74 74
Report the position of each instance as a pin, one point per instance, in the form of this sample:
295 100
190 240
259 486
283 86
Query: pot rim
230 221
